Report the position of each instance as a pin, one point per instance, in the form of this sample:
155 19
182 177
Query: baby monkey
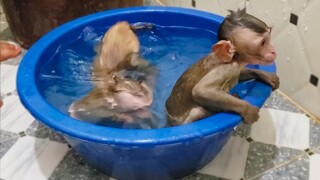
203 89
123 80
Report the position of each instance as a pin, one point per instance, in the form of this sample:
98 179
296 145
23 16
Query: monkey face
254 48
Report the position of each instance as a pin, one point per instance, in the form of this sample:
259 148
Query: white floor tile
282 128
32 158
314 171
231 160
14 117
8 78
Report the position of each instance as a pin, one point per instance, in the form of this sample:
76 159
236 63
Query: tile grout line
310 115
279 165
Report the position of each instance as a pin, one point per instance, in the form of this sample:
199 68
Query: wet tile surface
37 129
243 130
263 157
294 170
282 128
276 101
32 158
314 134
8 78
7 140
230 161
14 117
74 167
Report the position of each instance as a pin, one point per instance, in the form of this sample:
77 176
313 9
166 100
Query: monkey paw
250 115
274 81
271 79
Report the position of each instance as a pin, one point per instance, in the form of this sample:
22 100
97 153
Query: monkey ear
243 11
224 50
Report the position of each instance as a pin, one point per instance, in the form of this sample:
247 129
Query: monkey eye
263 42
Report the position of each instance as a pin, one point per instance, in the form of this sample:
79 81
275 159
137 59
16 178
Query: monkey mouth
267 62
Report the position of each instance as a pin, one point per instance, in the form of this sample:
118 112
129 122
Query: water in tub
66 76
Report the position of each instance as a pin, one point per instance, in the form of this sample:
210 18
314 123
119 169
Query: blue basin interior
135 153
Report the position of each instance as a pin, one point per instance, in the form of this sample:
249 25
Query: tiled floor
283 144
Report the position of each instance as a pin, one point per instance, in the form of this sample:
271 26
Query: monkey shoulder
232 68
222 77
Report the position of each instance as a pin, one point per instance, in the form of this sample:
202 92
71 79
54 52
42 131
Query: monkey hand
271 79
250 114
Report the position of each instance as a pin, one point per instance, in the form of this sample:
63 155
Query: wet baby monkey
203 89
123 80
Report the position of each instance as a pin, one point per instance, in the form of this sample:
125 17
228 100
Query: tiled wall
296 37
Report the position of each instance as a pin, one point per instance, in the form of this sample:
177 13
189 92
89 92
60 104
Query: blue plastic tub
163 153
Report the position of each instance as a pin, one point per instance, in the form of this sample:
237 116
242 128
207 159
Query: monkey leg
197 113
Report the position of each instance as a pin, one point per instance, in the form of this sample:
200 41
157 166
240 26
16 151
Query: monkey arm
248 74
268 78
216 100
211 94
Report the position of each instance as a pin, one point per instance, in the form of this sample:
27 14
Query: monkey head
249 38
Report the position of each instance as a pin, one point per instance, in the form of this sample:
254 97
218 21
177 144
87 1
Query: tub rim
35 103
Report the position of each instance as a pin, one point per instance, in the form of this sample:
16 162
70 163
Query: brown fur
203 89
115 95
